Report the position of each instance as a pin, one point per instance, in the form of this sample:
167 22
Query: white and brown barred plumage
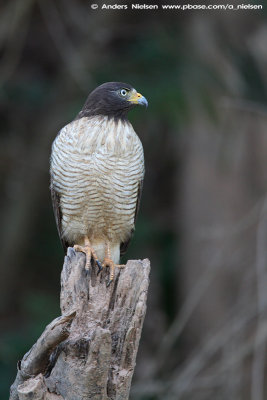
97 170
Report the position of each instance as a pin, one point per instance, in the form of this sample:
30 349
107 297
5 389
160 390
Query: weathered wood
37 360
89 352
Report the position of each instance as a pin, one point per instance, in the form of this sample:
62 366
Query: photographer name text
180 7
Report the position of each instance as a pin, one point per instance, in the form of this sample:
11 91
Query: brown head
112 99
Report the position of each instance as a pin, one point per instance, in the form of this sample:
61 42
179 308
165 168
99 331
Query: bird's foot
89 255
109 263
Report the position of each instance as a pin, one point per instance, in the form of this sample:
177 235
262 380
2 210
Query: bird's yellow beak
137 98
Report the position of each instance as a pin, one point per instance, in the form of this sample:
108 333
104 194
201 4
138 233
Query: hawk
97 171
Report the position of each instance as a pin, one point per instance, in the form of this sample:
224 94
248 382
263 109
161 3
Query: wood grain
90 351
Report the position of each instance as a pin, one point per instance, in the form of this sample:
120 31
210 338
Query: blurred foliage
37 309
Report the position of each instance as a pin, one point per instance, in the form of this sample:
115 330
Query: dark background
203 216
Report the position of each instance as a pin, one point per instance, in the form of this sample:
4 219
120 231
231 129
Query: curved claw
109 282
100 267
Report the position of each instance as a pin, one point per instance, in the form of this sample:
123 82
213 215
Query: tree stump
90 351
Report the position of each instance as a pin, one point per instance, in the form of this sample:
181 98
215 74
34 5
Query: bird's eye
123 92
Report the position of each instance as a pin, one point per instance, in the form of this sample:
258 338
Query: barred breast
96 168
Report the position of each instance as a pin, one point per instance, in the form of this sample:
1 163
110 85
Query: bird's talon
72 251
100 267
88 251
109 282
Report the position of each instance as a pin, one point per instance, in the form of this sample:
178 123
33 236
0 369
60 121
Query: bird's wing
58 216
124 245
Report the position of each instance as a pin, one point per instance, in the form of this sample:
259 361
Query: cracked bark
90 351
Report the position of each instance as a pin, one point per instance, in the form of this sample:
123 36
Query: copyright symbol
94 6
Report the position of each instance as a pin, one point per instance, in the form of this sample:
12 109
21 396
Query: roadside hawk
97 171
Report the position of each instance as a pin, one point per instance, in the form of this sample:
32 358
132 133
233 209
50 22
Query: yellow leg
89 253
109 263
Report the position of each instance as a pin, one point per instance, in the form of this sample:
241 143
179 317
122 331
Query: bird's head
113 99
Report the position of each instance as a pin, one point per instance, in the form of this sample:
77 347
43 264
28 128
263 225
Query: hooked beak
137 98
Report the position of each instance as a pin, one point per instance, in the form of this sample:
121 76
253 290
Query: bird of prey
97 171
